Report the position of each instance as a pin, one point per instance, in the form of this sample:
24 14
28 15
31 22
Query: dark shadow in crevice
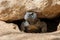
18 22
51 23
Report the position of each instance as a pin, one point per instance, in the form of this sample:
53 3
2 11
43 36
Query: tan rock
58 27
30 36
15 9
8 28
11 9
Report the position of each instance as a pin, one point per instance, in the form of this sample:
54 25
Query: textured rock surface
58 27
8 28
11 9
10 31
15 9
29 36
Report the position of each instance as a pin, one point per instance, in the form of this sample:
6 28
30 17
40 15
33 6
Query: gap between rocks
51 23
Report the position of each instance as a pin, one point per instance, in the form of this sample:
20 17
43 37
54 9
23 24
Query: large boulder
15 9
30 36
8 28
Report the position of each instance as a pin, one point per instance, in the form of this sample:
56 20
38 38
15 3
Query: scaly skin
32 24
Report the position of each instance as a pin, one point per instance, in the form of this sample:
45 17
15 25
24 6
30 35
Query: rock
11 10
15 9
8 28
52 10
30 36
58 27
